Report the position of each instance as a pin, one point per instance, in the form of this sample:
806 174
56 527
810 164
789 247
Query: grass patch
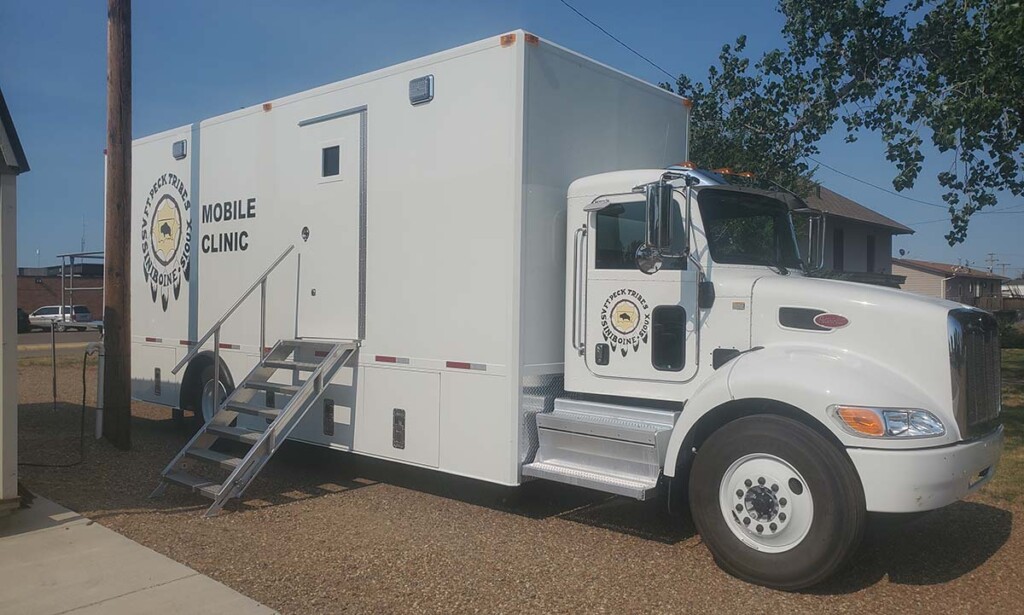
1008 483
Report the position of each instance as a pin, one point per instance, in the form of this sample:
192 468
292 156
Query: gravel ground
326 532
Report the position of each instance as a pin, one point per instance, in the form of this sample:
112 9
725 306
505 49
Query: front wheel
776 503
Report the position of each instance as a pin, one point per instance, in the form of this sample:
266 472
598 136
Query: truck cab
699 354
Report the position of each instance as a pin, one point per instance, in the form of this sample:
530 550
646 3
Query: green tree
944 71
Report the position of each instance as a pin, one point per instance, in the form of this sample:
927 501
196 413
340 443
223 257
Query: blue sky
194 59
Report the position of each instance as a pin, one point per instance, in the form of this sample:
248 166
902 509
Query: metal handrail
261 283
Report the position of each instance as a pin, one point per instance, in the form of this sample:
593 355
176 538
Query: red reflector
383 359
458 365
831 321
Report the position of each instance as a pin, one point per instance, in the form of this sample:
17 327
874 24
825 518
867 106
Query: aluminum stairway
608 447
220 475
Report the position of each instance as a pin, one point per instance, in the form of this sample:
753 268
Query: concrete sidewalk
53 560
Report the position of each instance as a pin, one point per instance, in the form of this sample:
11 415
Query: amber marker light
861 420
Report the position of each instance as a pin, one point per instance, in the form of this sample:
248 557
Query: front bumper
913 480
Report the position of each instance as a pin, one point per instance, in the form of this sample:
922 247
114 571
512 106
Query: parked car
24 325
70 317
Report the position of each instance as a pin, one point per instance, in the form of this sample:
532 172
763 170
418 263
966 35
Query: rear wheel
776 503
202 404
60 327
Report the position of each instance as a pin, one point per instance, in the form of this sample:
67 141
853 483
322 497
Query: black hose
81 432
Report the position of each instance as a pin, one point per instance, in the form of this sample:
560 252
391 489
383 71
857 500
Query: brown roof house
857 240
975 287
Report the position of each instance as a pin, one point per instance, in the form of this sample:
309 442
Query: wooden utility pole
117 411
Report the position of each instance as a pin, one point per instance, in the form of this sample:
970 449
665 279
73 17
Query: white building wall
9 339
855 244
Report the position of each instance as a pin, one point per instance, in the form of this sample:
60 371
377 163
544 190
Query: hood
897 330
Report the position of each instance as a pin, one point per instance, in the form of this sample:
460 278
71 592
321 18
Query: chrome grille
974 367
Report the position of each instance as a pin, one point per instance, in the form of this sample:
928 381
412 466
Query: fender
811 378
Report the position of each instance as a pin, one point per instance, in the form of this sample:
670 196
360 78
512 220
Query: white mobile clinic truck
484 262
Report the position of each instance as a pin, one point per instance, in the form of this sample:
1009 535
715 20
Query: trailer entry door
332 211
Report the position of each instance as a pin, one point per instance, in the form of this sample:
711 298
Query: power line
617 40
877 187
814 160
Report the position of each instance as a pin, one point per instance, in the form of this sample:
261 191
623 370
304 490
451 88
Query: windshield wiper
776 266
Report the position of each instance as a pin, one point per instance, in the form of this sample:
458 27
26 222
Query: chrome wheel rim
766 503
208 408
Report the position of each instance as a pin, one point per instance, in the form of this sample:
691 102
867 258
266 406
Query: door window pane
668 338
620 231
331 161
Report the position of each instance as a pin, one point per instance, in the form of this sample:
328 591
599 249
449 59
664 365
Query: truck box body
426 204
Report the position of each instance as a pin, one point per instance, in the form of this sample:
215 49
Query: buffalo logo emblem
166 238
625 321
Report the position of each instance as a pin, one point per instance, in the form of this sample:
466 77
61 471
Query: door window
668 338
620 231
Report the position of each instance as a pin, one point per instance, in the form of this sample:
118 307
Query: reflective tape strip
464 365
230 346
186 342
154 339
388 359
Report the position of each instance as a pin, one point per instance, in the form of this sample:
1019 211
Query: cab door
638 326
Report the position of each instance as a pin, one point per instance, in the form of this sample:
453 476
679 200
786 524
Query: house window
838 251
871 253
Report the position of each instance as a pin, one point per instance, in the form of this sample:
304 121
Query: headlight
887 422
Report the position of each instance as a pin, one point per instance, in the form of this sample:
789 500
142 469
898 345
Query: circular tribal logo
625 320
166 238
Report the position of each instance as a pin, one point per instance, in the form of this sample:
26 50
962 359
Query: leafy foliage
944 71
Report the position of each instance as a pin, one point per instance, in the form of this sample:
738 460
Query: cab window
620 231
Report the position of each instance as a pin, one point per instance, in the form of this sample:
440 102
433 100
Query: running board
608 447
193 465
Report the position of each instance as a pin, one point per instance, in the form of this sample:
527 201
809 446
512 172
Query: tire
201 414
806 475
60 327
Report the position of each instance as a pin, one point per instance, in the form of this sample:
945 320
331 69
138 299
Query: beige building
12 163
952 282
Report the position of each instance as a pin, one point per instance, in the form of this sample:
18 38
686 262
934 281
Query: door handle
578 330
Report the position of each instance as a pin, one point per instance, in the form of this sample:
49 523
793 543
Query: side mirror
659 216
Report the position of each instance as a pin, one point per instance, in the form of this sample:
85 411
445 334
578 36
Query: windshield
748 229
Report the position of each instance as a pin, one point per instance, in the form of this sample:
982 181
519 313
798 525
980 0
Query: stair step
197 484
294 365
238 434
614 427
286 389
253 409
228 462
640 488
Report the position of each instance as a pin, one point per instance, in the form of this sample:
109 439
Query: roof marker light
507 40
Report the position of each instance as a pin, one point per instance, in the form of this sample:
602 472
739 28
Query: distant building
39 286
953 282
858 240
1013 289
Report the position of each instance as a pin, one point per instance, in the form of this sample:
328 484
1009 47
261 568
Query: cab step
608 447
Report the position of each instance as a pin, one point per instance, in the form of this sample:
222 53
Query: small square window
331 161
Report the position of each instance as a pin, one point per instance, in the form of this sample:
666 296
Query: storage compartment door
397 415
330 222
